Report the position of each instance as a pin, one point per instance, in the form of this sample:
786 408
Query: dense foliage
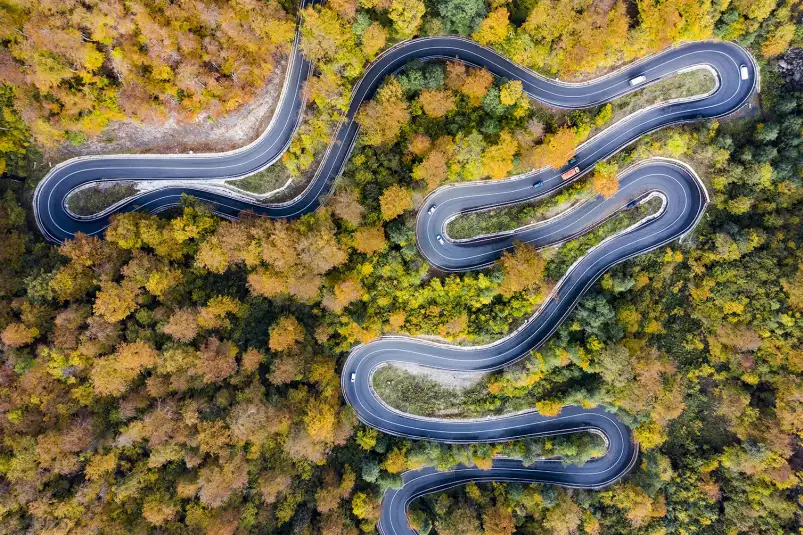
180 375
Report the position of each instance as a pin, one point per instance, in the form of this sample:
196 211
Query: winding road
683 202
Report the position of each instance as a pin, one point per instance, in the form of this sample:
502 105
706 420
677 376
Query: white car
744 72
439 238
431 209
638 80
353 377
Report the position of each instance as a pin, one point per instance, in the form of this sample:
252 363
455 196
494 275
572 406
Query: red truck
570 173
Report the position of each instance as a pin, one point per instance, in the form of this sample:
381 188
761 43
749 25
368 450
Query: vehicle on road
431 209
570 173
745 74
538 184
439 238
638 80
573 160
632 204
353 377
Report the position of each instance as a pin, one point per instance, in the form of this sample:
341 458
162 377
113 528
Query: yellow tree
373 39
394 201
369 240
498 520
494 28
556 150
663 23
345 292
327 90
435 167
112 375
406 16
267 282
523 269
419 144
214 315
346 205
794 288
382 118
326 38
605 179
72 281
285 334
436 102
511 92
778 40
116 301
476 85
497 160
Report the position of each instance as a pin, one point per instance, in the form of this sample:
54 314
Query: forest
180 375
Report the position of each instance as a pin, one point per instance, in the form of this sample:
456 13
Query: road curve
683 202
58 224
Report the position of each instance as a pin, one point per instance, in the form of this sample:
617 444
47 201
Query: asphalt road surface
683 201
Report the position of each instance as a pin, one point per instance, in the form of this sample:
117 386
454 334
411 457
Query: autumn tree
112 375
556 149
18 335
79 77
564 518
406 16
476 85
523 269
437 103
461 520
182 325
373 39
605 179
498 520
369 240
494 28
116 301
345 204
778 41
419 144
382 119
434 168
456 73
497 159
326 39
217 360
511 92
334 489
395 201
285 334
345 292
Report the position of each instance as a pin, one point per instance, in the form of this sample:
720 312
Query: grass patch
423 396
686 85
576 448
90 201
569 252
515 216
265 181
420 395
